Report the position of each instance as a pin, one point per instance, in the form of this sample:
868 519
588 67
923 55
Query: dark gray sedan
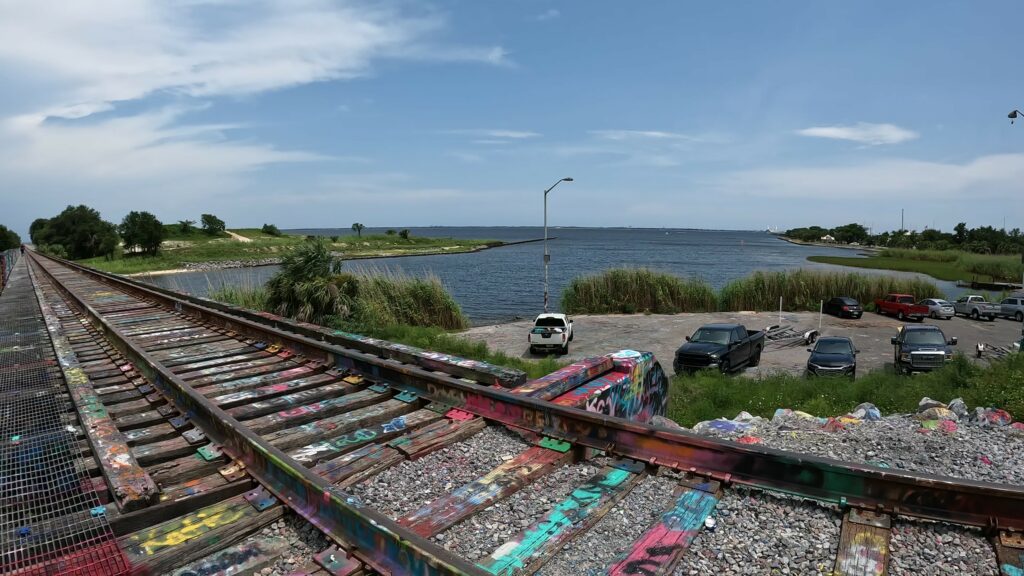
938 308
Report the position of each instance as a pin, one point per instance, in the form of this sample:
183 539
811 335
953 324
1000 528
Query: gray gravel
613 535
758 533
411 484
924 548
483 532
988 453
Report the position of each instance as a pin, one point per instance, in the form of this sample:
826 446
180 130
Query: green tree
212 225
851 233
391 232
39 231
80 231
143 231
270 230
404 234
358 229
960 233
8 238
186 226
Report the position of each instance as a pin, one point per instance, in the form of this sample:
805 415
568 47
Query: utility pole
547 257
902 227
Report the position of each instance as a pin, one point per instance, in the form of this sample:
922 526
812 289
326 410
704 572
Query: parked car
976 307
938 308
551 332
902 306
843 306
833 356
726 347
921 349
1012 307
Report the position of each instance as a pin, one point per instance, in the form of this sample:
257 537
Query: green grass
805 289
710 395
197 247
949 265
632 290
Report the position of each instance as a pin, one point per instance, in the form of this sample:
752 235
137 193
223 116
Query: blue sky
318 114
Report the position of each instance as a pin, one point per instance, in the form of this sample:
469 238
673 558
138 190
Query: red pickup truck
903 306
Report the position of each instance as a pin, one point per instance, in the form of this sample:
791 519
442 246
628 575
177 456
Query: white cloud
642 134
549 14
493 134
467 157
995 176
862 132
123 50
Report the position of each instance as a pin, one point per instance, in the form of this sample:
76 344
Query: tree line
80 232
980 240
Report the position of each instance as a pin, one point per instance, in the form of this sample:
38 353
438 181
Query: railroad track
200 424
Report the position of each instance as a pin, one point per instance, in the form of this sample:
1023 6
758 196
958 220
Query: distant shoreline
868 250
232 264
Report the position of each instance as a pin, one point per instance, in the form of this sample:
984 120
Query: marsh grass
633 290
942 264
805 289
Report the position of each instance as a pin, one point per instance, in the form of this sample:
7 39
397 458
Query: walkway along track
230 376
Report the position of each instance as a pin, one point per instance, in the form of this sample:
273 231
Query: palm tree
358 229
185 226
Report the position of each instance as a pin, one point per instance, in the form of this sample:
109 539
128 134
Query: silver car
1012 307
938 308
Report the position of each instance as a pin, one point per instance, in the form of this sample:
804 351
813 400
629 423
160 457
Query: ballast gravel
927 548
484 531
413 483
593 551
758 533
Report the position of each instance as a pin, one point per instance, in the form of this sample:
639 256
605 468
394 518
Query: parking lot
596 335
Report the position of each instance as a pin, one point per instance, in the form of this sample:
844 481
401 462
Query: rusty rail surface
958 501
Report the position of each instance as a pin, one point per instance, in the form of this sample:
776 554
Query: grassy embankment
631 290
949 265
196 247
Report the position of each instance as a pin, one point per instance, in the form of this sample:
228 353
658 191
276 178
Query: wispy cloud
468 157
549 14
862 132
994 176
496 133
127 49
643 135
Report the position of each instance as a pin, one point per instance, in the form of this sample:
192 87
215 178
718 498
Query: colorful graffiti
866 554
242 558
564 379
568 517
637 388
189 527
660 547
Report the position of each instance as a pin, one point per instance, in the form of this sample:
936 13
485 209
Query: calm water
504 283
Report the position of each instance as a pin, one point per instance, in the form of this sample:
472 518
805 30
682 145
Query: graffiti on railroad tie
581 503
866 555
656 556
359 436
227 562
192 528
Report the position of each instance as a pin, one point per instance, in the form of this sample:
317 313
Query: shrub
404 234
270 230
631 290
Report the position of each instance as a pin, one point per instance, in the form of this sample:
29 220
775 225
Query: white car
1012 307
551 332
938 308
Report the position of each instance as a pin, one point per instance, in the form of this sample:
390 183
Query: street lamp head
1014 115
566 179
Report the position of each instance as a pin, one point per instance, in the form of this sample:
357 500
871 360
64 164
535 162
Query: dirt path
238 237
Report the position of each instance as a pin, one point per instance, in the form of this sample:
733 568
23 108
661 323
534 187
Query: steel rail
958 501
373 537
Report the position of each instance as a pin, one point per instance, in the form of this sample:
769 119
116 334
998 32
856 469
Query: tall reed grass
632 290
805 289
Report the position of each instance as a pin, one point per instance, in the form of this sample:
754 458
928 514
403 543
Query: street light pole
547 257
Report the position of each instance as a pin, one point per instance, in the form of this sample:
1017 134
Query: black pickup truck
921 349
726 347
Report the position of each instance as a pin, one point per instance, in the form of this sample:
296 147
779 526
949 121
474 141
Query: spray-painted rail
210 400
